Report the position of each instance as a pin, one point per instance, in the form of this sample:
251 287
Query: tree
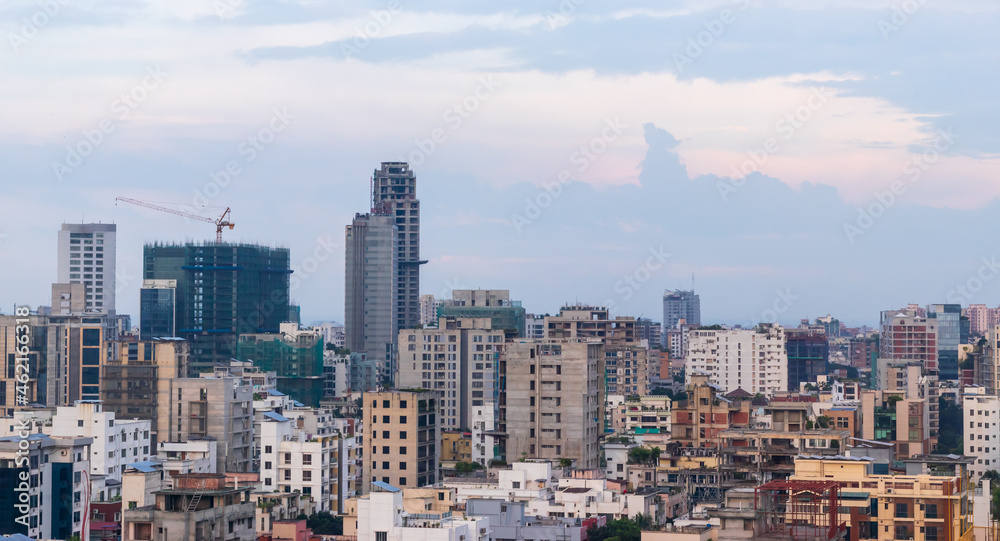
467 467
623 529
823 421
323 523
565 462
643 455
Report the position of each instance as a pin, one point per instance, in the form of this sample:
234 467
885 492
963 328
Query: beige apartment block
403 438
221 408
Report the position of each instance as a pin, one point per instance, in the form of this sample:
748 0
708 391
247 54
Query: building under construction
799 511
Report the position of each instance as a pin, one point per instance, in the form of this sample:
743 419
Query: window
307 460
402 465
385 465
381 536
267 448
307 475
288 475
402 435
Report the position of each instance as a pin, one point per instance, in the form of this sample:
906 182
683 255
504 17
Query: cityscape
414 270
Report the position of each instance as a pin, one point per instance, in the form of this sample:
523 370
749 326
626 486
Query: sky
790 159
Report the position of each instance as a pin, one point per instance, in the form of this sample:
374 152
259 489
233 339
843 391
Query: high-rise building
428 310
394 193
87 256
754 360
223 290
650 331
981 318
953 330
678 305
552 405
404 437
909 378
808 353
505 315
370 317
981 412
906 334
863 350
294 355
157 309
458 361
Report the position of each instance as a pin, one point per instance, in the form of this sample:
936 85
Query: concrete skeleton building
221 408
458 360
87 256
553 407
754 360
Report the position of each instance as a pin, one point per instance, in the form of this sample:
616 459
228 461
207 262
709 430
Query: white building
524 481
381 518
754 360
332 333
87 256
586 498
117 442
485 443
293 461
336 374
534 326
428 310
192 456
982 432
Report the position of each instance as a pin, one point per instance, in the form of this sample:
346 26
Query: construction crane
220 223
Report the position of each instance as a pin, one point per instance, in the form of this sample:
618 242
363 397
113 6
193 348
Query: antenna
692 282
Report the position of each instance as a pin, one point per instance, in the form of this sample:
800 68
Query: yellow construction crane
220 223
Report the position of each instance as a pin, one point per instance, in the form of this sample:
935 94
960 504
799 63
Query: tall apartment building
57 470
505 315
157 306
908 378
981 318
650 331
428 310
953 330
403 438
223 290
981 414
989 363
626 364
394 193
137 379
754 360
116 443
698 420
907 335
458 360
370 312
534 326
553 406
221 408
87 256
678 305
862 351
292 460
808 353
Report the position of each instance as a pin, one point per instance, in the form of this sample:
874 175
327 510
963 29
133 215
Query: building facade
403 437
394 193
157 309
221 408
754 360
678 305
370 314
87 256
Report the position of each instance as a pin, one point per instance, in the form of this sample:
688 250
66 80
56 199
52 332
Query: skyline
295 111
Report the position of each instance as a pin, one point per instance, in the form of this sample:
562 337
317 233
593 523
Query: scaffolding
798 510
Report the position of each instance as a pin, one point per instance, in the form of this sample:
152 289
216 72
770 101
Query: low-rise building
199 506
381 517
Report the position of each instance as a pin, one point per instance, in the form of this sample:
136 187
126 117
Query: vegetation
621 530
565 462
497 463
823 421
467 467
643 455
951 430
323 523
624 440
710 328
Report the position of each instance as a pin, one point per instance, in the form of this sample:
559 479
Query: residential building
198 506
914 382
508 520
586 497
370 310
981 412
534 326
930 502
767 455
903 421
334 334
403 436
199 455
698 420
486 440
55 471
394 193
863 350
274 510
981 318
87 256
456 446
137 379
294 460
382 516
157 309
223 290
218 407
428 310
553 407
678 305
504 314
808 355
520 482
907 335
649 331
648 415
115 442
754 360
457 359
